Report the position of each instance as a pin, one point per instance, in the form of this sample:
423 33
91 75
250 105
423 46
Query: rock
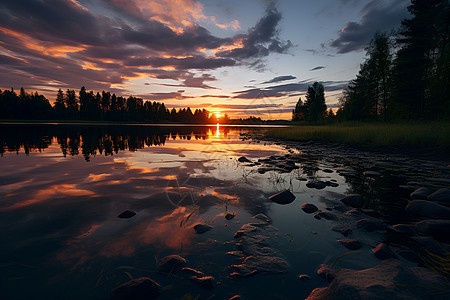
343 229
127 214
331 183
235 297
327 170
139 288
256 245
304 277
284 197
326 215
262 217
326 272
430 244
263 264
370 225
438 229
316 184
189 272
350 244
202 228
245 229
205 282
244 159
309 208
428 209
405 228
372 213
229 216
372 174
382 251
441 195
421 193
171 264
388 280
353 200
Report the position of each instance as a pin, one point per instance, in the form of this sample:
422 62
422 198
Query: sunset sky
250 57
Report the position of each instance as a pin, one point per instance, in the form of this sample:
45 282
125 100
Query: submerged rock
202 228
421 193
189 272
309 208
205 282
171 264
244 159
326 272
370 224
229 216
428 209
316 184
350 244
284 197
262 217
388 280
304 277
127 214
382 251
263 264
438 229
353 200
139 288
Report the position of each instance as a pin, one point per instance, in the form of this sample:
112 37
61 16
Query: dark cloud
317 68
243 106
192 62
377 15
178 95
280 78
196 82
261 39
215 96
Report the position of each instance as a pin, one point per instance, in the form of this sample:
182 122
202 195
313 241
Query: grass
422 135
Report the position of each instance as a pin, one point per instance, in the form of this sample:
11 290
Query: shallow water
63 186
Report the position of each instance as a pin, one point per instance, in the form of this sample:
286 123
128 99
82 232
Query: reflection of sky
65 209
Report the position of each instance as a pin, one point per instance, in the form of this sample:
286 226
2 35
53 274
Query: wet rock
229 216
421 193
263 218
428 209
350 244
343 229
410 188
441 195
388 280
370 225
327 170
309 208
438 229
304 277
244 159
371 212
202 228
238 254
171 264
331 183
372 174
405 228
263 264
316 184
317 217
284 197
127 214
353 200
245 229
382 251
205 282
189 272
235 297
139 288
326 272
408 255
256 245
326 215
430 244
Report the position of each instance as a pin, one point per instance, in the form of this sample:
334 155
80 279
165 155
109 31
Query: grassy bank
422 135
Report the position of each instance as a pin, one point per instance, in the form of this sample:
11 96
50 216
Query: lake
62 188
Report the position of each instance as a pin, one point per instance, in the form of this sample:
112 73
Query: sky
252 57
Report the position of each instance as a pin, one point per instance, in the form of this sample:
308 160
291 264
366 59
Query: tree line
314 108
102 106
405 75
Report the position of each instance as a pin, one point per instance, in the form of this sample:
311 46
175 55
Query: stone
343 229
284 197
263 264
235 297
327 170
428 209
441 195
350 244
304 277
262 217
326 215
421 193
370 225
244 159
205 282
245 229
309 208
202 228
405 228
171 264
388 280
316 184
326 272
139 288
127 214
430 244
189 272
353 200
229 216
382 251
439 229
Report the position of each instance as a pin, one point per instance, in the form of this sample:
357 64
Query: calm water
62 187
